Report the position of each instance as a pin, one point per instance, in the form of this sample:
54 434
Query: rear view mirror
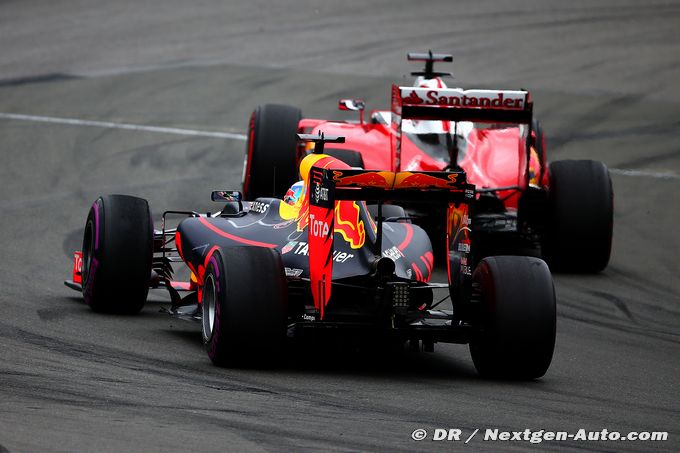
351 104
226 196
355 105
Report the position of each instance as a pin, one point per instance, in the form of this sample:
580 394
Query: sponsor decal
452 97
259 207
320 193
320 189
393 253
288 247
384 179
318 228
302 249
293 272
341 257
423 180
458 236
348 224
413 98
338 256
78 267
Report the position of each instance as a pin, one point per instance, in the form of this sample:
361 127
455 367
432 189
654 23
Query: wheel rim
209 304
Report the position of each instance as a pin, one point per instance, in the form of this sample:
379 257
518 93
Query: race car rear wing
326 186
455 104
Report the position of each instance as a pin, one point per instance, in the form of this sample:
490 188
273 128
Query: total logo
318 228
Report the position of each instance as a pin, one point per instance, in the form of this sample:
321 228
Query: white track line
232 136
126 126
644 174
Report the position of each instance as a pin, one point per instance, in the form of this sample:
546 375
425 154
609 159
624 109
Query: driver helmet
427 126
294 193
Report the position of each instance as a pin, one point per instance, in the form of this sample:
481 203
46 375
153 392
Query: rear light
401 297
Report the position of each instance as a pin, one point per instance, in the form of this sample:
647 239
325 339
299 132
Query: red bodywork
496 157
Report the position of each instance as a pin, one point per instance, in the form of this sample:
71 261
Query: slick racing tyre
580 219
351 158
270 164
244 306
517 316
117 254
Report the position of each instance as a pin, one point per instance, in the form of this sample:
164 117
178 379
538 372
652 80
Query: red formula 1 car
316 263
562 211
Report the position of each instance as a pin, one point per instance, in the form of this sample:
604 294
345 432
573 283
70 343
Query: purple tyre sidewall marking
215 334
89 287
94 264
95 207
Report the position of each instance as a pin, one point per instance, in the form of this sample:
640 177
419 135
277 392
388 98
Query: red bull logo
458 226
424 181
347 223
380 179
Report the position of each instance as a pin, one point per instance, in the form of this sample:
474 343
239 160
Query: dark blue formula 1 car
323 260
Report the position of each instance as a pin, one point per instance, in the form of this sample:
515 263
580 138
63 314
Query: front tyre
117 254
244 306
517 315
270 164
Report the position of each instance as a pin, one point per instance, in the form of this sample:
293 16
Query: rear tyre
245 306
351 158
581 212
117 254
517 315
270 165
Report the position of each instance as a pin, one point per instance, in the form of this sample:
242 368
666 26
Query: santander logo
413 98
490 99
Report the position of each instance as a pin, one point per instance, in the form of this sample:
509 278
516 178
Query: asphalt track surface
606 80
